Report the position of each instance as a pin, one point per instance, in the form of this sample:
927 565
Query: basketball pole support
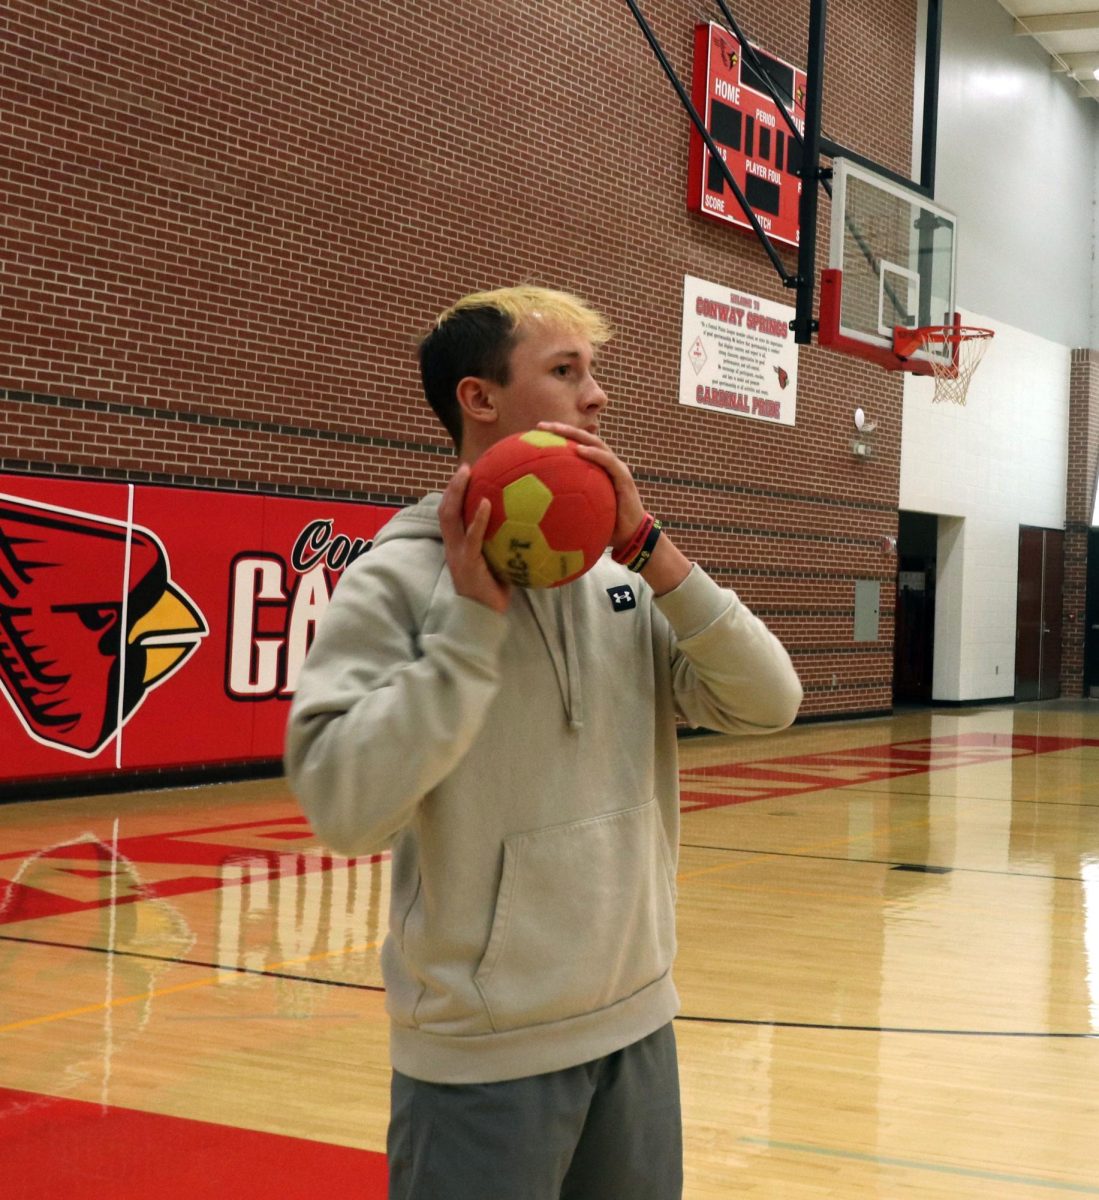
788 280
813 144
804 323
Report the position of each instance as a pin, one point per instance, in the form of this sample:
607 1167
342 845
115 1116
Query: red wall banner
144 627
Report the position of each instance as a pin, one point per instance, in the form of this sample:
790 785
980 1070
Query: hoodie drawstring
553 613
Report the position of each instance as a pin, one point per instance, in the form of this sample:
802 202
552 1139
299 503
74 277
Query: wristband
637 540
646 552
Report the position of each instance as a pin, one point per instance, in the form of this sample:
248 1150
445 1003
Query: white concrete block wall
949 608
1093 339
1017 164
995 464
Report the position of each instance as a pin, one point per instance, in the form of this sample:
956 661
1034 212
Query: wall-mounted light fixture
861 445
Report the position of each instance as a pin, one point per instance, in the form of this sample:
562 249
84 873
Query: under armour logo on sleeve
622 597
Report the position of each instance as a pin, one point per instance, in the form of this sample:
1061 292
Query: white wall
1093 342
995 464
1017 164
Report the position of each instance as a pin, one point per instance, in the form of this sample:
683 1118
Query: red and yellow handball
553 512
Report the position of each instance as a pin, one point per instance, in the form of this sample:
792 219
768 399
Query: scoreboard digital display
754 138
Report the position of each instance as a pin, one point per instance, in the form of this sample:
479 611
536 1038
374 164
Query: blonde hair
527 302
476 336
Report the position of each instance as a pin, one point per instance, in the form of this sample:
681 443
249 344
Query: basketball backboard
888 293
891 265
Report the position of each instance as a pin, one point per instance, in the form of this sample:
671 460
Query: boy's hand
631 511
667 568
468 567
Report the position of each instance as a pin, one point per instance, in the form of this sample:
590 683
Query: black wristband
637 563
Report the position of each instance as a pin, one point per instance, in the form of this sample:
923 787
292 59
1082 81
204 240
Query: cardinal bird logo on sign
90 622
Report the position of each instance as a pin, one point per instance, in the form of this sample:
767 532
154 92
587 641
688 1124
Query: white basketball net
964 347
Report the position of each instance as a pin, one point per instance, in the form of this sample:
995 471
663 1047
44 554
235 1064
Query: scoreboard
754 138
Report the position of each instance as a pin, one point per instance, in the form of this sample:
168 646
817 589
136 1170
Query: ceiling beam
1081 65
1080 59
1056 23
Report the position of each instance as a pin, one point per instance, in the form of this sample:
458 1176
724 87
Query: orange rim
907 341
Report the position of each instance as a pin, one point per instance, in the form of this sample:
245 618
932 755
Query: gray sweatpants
605 1130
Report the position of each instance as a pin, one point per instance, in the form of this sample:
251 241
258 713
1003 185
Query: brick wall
1083 466
227 225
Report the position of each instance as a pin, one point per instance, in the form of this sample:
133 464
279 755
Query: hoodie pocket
584 918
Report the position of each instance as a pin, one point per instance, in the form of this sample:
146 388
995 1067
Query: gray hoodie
522 769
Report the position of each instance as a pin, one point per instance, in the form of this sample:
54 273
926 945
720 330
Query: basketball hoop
954 353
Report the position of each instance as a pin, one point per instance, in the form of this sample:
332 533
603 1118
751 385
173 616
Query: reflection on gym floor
889 968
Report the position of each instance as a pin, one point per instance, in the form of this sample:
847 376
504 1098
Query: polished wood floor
889 966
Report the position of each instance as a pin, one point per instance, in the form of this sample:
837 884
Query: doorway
914 634
1038 613
1091 617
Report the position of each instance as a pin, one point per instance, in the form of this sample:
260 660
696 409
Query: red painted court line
741 783
792 775
89 849
53 1148
21 900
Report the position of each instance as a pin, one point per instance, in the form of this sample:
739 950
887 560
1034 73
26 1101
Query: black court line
685 1017
871 788
860 789
982 1033
191 962
883 862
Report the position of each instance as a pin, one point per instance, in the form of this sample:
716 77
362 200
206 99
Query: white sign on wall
738 353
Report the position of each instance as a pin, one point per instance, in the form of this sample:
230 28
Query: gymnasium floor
889 967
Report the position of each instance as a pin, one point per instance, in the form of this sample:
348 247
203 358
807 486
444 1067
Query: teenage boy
516 752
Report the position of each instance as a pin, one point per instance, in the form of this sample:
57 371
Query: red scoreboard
752 133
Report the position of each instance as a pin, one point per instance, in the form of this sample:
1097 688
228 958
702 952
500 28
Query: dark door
913 647
1038 614
1091 614
1053 597
914 615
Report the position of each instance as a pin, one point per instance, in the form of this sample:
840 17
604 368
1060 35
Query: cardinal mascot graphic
90 621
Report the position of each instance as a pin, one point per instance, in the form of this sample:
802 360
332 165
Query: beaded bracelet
646 551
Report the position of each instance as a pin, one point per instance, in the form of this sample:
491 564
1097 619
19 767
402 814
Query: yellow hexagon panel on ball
553 512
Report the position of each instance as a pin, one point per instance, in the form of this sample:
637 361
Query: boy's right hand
468 567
